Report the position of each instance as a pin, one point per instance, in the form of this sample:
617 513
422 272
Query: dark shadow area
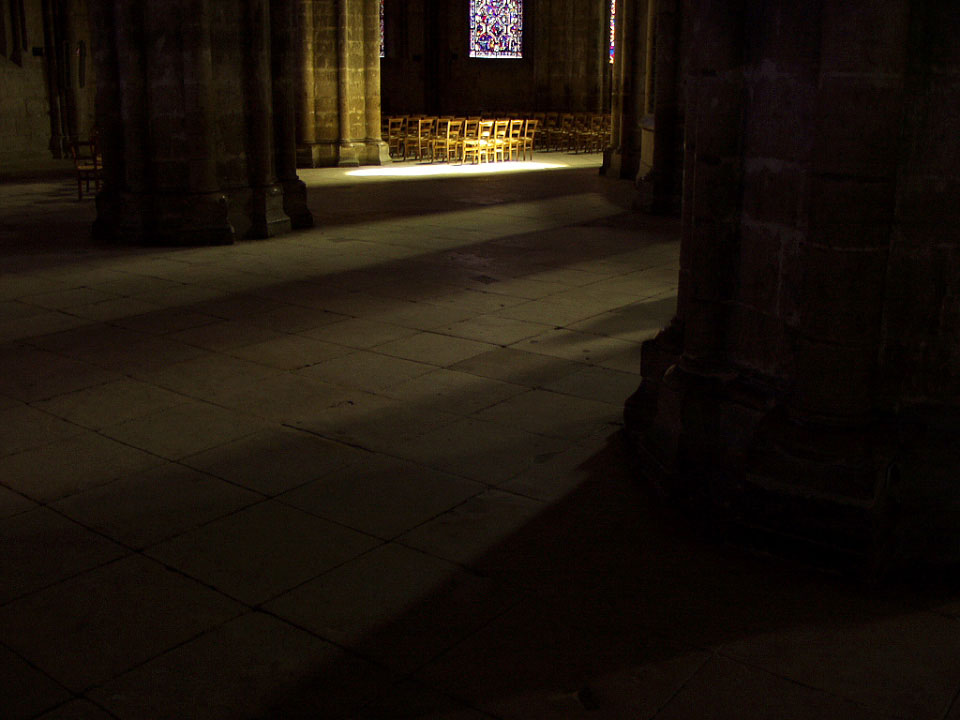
606 603
375 200
65 223
620 602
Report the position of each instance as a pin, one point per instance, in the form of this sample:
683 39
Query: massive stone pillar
339 118
648 122
186 110
808 388
570 62
660 173
629 104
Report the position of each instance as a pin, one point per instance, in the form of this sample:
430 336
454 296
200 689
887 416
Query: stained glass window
382 47
613 30
496 28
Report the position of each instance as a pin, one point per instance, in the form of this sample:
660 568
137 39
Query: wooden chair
514 138
547 127
500 142
448 144
564 134
444 142
86 161
417 139
395 135
479 148
529 137
471 130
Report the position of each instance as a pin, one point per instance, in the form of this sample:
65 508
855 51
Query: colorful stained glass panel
613 30
496 28
382 46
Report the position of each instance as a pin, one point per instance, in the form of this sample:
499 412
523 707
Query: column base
723 446
619 164
295 204
265 208
163 219
343 154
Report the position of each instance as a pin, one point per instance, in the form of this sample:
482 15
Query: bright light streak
440 170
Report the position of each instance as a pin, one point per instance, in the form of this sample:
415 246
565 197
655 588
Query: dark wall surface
428 67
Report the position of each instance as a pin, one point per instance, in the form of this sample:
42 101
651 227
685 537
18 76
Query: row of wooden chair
570 132
419 137
471 139
576 132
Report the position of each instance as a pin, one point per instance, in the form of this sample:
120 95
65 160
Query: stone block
846 212
857 127
704 327
927 211
758 268
779 118
719 122
710 262
759 341
933 146
834 381
912 292
841 297
772 190
717 190
785 38
865 36
942 23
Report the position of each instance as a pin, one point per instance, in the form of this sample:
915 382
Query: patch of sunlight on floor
413 171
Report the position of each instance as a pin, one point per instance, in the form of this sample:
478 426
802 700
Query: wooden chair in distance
514 138
447 140
471 130
528 139
395 132
479 148
500 142
86 161
418 137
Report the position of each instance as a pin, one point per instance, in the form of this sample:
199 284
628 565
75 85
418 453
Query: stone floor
374 470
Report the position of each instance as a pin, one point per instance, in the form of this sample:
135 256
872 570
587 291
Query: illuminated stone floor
374 470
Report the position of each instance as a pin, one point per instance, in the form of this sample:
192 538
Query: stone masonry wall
24 108
808 387
339 83
428 69
54 63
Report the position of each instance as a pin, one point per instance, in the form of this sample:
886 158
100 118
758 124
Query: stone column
266 211
623 160
285 37
377 151
663 175
186 122
711 231
343 62
802 391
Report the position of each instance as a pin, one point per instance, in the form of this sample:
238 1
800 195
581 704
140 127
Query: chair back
85 155
454 129
500 129
516 129
530 129
471 128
